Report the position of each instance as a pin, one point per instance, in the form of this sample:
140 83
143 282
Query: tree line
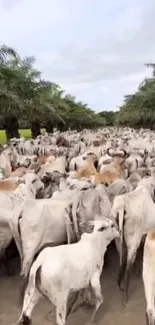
138 109
29 101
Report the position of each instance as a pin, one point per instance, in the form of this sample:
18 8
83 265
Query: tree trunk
11 127
61 127
35 129
49 127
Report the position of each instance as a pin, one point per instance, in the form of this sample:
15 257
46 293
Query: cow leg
132 247
29 254
61 309
82 297
74 304
123 263
149 287
96 287
31 298
138 262
122 272
117 244
88 294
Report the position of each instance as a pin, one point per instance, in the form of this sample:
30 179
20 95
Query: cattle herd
64 198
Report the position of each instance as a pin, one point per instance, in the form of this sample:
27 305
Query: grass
23 133
26 133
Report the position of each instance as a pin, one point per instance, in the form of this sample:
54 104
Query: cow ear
48 174
123 190
87 226
45 179
37 170
65 175
21 181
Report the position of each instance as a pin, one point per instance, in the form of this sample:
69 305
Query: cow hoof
24 320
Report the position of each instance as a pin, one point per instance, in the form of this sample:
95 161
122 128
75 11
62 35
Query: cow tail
74 216
122 250
33 279
69 224
75 167
23 287
15 228
121 220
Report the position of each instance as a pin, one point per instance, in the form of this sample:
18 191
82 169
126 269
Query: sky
94 49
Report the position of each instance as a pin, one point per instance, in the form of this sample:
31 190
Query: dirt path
111 313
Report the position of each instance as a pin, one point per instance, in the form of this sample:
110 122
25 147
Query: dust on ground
111 312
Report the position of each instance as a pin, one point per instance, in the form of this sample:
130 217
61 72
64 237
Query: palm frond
6 51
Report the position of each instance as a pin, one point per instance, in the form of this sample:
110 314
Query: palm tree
26 98
6 53
9 99
10 102
138 110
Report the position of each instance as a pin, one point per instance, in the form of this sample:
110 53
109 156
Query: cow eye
102 228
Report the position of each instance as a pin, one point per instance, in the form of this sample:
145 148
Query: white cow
58 271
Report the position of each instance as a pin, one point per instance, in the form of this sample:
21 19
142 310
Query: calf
81 265
109 173
89 168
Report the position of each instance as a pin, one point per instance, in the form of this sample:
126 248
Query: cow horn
141 154
145 155
108 152
124 151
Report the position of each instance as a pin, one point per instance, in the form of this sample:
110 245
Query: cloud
96 50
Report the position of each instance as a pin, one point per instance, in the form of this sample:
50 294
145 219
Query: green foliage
23 133
7 52
108 116
26 100
138 110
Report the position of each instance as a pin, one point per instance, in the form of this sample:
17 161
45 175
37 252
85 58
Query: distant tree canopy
28 101
109 117
138 110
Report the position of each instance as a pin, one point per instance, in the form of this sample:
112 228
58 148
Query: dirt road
111 313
